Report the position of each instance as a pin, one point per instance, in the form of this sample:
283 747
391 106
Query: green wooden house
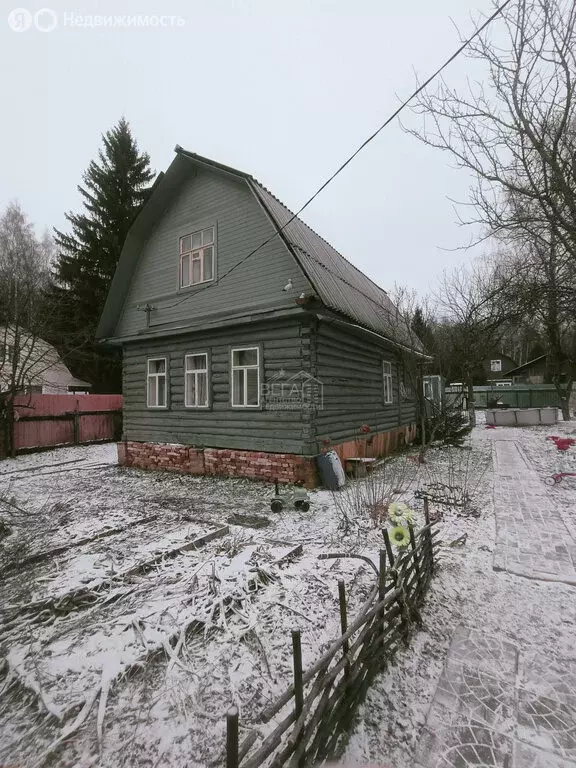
250 344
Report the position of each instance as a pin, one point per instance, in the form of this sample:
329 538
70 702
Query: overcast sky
282 89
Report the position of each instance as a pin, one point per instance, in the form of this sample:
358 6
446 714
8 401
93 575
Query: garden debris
248 521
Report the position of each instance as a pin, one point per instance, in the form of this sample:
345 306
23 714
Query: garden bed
133 645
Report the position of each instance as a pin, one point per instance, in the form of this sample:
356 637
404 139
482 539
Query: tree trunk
564 391
470 395
9 444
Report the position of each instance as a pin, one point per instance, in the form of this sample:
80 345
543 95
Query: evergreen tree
422 329
114 188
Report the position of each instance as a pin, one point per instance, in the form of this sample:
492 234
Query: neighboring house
38 367
229 311
496 366
533 372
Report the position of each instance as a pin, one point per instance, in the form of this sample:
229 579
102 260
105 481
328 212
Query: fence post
388 547
343 619
429 533
298 685
382 587
76 427
232 760
415 556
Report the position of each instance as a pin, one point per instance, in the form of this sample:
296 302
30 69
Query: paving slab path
498 704
532 539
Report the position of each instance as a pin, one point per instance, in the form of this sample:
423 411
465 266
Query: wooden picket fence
316 711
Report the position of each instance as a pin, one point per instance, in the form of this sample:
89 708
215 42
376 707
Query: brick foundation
287 467
376 445
257 465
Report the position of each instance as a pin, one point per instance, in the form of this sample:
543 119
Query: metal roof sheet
340 285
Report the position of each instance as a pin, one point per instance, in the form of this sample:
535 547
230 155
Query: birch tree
24 274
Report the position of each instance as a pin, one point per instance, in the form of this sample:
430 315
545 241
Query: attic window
495 366
197 257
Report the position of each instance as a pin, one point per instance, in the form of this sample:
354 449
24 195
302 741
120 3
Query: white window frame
387 390
157 376
196 372
498 368
245 369
196 254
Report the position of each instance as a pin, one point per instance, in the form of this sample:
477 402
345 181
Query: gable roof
339 285
525 365
39 362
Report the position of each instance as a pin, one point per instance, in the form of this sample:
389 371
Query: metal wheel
550 481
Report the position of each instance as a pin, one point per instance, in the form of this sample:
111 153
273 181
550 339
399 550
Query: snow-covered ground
127 649
536 616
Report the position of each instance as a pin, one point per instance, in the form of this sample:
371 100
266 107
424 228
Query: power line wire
364 144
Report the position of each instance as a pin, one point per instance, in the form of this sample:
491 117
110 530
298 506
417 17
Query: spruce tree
422 329
114 188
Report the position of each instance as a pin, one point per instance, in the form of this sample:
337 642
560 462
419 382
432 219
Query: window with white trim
387 381
197 257
156 383
496 365
196 380
246 377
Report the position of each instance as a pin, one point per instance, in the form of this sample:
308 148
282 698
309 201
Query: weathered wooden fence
42 421
316 711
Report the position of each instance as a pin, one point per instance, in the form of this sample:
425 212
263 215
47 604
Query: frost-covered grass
537 616
112 661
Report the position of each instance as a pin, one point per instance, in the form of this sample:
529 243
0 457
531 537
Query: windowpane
189 389
238 387
208 236
152 391
161 390
185 277
252 386
202 394
246 357
156 366
185 244
196 240
208 255
196 271
196 362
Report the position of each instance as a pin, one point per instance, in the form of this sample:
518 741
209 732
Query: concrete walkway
498 705
532 539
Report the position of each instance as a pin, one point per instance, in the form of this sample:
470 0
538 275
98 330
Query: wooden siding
350 368
221 426
211 199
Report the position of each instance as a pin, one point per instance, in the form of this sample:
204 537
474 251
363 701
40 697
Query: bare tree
517 131
474 302
24 263
542 284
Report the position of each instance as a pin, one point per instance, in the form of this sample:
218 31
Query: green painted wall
222 426
211 199
350 368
